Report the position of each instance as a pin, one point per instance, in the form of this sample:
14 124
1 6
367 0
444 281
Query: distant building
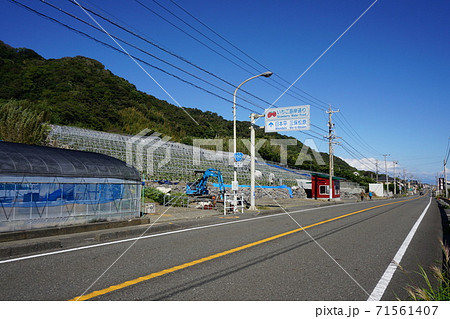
43 187
320 186
377 189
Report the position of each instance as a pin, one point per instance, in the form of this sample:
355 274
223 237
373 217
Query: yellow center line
224 253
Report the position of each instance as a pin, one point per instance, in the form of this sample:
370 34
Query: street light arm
265 74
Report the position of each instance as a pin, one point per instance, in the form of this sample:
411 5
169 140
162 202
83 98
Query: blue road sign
238 156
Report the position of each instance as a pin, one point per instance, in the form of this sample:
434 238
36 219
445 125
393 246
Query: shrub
19 123
154 195
442 275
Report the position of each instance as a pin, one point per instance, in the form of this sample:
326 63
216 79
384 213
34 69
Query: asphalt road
341 254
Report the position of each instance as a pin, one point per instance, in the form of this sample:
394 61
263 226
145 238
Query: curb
29 248
70 229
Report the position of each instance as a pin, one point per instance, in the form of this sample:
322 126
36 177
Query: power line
362 156
248 56
324 52
319 128
120 51
146 52
183 59
207 46
201 33
357 135
189 35
134 57
356 158
345 129
163 49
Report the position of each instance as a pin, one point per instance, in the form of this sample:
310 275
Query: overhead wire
318 135
202 34
346 130
303 99
117 50
207 46
189 35
167 51
163 49
356 158
120 51
357 135
324 52
359 153
244 53
148 53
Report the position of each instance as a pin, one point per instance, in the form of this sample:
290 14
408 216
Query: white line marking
164 234
380 288
168 233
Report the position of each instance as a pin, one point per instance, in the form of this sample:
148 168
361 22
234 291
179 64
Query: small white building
377 189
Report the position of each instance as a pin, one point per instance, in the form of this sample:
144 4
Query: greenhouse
43 187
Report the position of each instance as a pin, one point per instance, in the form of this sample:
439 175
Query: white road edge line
166 233
384 281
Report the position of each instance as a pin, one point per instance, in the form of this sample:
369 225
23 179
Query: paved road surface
340 255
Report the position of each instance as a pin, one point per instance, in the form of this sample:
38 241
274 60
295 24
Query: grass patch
174 199
177 200
441 292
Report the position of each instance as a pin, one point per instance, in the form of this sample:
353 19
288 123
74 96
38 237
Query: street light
235 182
253 118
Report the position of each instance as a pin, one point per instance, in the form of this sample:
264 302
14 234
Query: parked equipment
200 187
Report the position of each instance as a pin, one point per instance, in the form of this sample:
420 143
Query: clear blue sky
389 74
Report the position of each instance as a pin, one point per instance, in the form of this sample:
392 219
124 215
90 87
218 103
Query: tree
19 123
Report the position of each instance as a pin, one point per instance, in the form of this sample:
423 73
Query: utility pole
395 179
404 180
376 162
331 137
445 180
385 169
445 164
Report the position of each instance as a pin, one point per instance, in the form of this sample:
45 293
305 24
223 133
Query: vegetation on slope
80 92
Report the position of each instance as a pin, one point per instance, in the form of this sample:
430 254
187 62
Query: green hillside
80 92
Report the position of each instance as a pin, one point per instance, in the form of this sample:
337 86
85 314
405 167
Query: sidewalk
164 219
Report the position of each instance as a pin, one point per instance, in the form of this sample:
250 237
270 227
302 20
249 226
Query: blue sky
389 74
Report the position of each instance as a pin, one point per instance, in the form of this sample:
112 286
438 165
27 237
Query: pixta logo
140 150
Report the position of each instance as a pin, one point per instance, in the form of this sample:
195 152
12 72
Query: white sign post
280 119
291 118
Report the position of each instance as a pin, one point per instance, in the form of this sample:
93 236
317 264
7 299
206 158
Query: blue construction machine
200 186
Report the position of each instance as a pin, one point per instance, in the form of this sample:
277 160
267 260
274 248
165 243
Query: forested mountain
79 91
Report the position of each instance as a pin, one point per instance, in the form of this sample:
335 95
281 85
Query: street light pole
253 117
235 181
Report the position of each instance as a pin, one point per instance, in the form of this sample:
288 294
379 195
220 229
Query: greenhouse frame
48 187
